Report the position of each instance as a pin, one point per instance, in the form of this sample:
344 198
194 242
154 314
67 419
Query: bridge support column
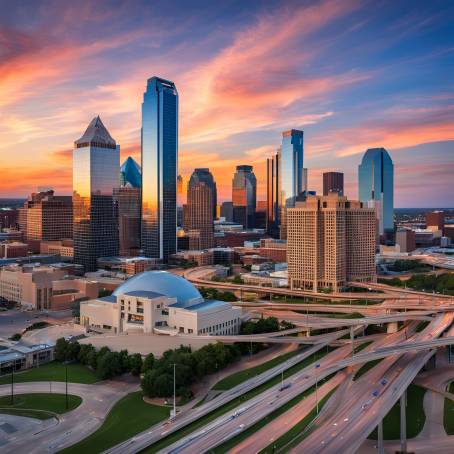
380 447
403 422
392 327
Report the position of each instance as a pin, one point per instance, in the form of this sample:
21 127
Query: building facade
244 196
376 188
96 160
435 220
406 240
333 182
331 241
127 200
203 175
227 211
159 168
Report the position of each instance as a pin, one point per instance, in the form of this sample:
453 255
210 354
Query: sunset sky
352 74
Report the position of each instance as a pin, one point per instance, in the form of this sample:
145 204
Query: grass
366 367
230 405
229 444
243 375
415 416
54 371
38 405
129 416
448 416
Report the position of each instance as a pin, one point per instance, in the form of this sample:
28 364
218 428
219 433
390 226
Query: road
73 426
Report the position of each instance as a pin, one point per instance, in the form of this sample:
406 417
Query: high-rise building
204 175
180 190
260 214
244 194
331 241
406 240
130 173
376 187
96 160
227 211
333 182
198 218
272 195
159 168
435 220
9 218
47 217
305 187
290 173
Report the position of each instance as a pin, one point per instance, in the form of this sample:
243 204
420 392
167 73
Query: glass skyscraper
205 176
244 195
159 168
96 160
376 186
290 173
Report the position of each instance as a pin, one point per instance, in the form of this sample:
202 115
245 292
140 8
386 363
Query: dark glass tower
204 176
244 190
96 159
159 168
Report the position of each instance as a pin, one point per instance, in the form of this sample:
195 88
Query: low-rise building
13 249
127 265
275 250
63 248
200 258
163 303
20 357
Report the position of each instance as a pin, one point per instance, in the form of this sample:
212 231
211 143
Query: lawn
54 371
415 416
38 405
366 367
128 417
230 405
448 418
243 375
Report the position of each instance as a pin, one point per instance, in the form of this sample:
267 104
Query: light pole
174 411
316 387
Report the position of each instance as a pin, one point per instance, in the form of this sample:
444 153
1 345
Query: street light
174 411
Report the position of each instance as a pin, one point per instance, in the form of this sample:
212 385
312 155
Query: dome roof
162 282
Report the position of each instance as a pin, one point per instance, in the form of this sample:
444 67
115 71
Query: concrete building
63 248
127 265
9 218
12 249
333 182
435 221
21 357
200 258
406 240
47 217
331 241
162 303
274 250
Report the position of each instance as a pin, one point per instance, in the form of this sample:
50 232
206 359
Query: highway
155 433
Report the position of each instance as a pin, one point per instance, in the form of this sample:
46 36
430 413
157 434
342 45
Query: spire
96 135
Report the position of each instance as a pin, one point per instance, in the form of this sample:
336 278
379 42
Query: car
375 393
384 382
286 386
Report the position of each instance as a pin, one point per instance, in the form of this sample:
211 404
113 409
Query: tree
124 360
92 358
72 351
61 348
135 363
108 365
148 362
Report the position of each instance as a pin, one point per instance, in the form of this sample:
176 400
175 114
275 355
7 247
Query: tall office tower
260 214
96 159
331 241
128 203
333 182
305 187
227 211
47 217
180 190
376 188
435 220
244 193
291 173
198 219
159 168
272 195
204 175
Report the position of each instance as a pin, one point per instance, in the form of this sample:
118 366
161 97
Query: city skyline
352 76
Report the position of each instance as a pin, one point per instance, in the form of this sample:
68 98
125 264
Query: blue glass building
96 158
130 173
159 168
376 186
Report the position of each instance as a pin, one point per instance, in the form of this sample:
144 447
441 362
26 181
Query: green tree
148 362
61 348
135 363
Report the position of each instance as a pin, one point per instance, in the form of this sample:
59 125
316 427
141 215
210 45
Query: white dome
162 282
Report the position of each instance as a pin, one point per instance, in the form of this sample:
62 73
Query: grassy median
448 417
38 405
54 371
128 417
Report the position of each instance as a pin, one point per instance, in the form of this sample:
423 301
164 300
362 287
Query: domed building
160 302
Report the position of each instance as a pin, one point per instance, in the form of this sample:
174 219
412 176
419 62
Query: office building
127 200
180 190
333 182
130 173
96 160
435 220
47 217
272 195
161 303
199 210
159 168
290 173
274 250
227 211
376 188
305 187
244 194
331 241
63 248
406 240
260 214
9 218
13 249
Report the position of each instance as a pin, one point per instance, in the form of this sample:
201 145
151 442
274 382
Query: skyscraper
96 159
376 187
204 175
130 173
244 190
333 182
272 195
290 173
198 218
331 241
159 168
227 211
